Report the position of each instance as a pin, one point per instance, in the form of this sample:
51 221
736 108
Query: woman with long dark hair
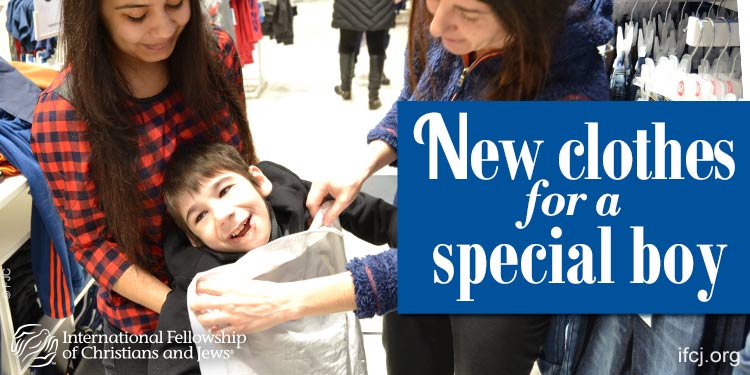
140 78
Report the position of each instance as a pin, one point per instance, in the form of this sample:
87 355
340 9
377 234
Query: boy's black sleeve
371 219
173 320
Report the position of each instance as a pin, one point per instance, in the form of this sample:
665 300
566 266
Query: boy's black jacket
368 218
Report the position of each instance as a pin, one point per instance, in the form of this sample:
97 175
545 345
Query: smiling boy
226 212
226 208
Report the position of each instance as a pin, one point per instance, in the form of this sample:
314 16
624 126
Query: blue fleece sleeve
387 129
375 283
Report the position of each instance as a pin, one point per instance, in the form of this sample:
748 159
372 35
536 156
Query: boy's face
228 213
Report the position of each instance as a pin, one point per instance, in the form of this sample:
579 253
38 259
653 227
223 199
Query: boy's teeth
235 234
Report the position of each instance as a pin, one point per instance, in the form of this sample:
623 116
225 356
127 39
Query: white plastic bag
328 344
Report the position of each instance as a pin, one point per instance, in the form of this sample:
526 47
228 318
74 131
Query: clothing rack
626 6
253 81
734 33
254 85
743 13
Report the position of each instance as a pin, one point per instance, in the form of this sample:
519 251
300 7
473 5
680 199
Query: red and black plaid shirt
63 153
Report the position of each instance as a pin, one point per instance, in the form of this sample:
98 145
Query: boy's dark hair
191 165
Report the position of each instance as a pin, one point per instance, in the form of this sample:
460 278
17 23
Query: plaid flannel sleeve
63 154
230 58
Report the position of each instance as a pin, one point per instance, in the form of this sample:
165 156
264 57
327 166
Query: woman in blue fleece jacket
458 50
482 50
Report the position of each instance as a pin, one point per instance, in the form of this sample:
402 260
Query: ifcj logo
30 341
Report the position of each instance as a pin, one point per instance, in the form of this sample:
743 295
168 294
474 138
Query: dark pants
466 344
114 366
385 43
349 39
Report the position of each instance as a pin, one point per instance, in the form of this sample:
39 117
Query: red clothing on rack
247 30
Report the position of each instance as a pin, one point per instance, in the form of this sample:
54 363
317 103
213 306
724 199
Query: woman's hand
250 306
344 189
247 306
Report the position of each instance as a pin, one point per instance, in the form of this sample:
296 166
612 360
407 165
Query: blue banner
573 207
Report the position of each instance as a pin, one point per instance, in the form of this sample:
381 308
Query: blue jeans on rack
658 349
563 344
621 344
619 82
744 366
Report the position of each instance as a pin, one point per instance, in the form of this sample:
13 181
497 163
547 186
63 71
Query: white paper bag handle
318 219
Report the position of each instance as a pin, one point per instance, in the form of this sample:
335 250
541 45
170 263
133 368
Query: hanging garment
325 344
283 26
21 294
20 23
18 95
58 276
278 20
247 30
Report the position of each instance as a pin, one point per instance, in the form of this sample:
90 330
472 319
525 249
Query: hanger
724 50
700 37
722 32
734 64
717 8
699 8
666 11
667 27
716 78
727 85
734 90
682 29
631 27
632 11
702 68
717 85
651 13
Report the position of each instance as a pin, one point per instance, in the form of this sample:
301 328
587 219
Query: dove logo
30 341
